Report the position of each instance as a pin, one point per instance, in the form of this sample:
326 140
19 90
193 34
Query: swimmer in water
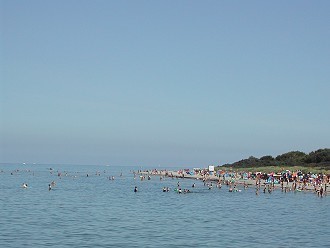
166 189
24 185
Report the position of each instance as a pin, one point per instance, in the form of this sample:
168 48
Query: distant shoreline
215 178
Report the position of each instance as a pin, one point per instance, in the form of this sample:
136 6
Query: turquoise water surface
94 211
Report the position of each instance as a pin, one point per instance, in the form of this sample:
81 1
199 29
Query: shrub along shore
315 162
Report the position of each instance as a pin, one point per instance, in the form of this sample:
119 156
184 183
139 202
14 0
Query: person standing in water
321 191
135 189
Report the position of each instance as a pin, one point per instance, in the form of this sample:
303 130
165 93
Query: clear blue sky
169 83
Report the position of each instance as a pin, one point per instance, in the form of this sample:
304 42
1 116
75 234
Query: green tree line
319 158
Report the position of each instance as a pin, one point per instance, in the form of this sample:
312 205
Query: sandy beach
215 178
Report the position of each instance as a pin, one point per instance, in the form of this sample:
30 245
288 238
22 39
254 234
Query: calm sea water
94 211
